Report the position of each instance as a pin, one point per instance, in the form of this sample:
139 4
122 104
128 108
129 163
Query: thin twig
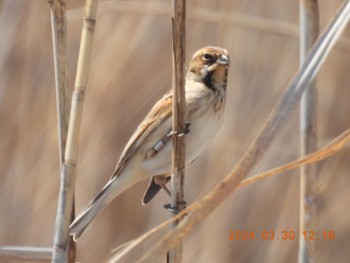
68 173
174 255
331 148
309 28
25 253
274 124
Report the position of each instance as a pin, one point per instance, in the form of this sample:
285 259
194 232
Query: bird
148 152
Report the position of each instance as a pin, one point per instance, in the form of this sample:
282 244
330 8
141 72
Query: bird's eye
207 57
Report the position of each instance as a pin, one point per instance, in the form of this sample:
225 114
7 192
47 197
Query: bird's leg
185 130
175 210
161 181
165 189
160 144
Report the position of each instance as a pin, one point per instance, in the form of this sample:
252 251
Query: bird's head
210 66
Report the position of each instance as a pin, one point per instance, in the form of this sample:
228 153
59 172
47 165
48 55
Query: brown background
131 69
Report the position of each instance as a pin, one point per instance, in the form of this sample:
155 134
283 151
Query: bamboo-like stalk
174 255
68 173
25 253
309 28
275 122
63 93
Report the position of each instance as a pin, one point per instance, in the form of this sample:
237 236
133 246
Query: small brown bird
148 152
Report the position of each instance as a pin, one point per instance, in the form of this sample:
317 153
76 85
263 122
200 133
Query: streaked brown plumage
148 152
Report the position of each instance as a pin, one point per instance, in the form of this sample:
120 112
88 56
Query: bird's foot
175 210
184 131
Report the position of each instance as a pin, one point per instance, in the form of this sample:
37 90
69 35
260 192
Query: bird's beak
223 60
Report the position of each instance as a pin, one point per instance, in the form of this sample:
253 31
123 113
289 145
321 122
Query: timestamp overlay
267 234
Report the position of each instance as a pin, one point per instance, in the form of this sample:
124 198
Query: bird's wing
159 114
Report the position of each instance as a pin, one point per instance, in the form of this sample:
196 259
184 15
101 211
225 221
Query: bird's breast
205 119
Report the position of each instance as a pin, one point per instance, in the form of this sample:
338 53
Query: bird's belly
201 132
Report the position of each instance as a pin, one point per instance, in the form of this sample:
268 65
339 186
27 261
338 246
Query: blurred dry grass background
131 69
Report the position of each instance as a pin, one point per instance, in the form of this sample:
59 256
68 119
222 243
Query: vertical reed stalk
63 93
179 109
309 29
68 172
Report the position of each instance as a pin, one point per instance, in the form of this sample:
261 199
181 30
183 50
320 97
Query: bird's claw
184 131
175 210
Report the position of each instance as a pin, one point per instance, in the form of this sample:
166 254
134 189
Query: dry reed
309 28
174 255
61 249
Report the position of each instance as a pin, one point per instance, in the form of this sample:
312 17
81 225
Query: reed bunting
148 152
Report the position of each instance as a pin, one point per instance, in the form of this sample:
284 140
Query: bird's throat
216 80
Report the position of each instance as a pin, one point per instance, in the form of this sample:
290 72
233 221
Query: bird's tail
112 189
82 221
